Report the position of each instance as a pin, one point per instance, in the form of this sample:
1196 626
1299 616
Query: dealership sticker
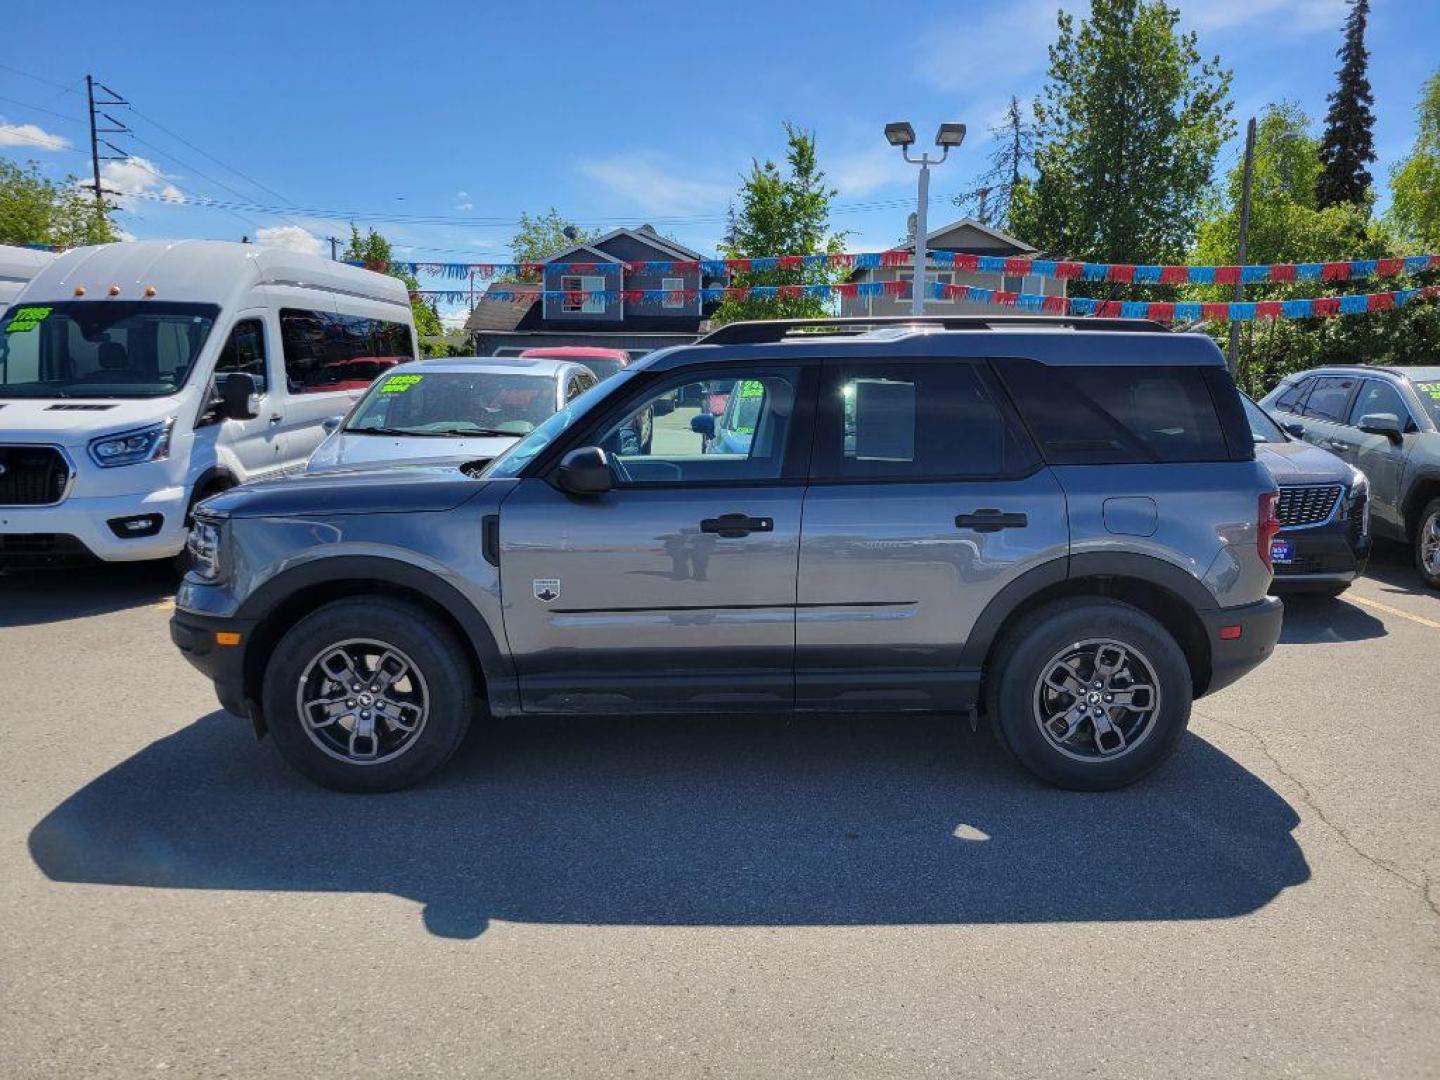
27 318
398 384
1429 389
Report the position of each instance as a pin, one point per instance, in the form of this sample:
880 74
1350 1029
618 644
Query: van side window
244 352
901 421
325 351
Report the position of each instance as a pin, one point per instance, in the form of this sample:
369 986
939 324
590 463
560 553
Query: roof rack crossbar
764 331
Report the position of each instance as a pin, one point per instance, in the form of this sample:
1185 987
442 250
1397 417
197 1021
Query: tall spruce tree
1348 144
1012 153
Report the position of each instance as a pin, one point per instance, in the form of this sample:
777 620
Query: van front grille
1308 505
32 475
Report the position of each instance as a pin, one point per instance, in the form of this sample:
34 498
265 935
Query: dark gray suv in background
1059 523
1386 422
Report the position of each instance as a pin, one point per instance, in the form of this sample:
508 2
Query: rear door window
916 421
1330 399
1104 414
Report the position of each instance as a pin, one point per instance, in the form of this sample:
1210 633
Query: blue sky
618 113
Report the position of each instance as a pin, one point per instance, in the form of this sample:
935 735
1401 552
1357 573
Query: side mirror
704 424
331 424
663 406
236 390
1383 423
585 471
1294 428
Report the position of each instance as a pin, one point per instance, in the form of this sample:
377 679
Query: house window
672 287
587 304
1013 284
944 277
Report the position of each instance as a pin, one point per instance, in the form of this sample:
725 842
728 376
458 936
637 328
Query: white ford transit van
138 378
17 266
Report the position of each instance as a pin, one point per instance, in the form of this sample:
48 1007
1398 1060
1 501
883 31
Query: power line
180 138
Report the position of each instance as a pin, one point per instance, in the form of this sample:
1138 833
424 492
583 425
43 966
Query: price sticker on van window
27 318
398 384
1429 389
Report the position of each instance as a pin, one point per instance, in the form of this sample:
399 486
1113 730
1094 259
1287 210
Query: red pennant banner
1120 272
895 258
1056 305
1069 269
1227 275
1384 301
1282 272
791 262
1269 309
1336 271
1163 311
1174 275
1326 306
1390 267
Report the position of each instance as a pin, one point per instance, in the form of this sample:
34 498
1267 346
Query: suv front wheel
1427 544
368 694
1090 694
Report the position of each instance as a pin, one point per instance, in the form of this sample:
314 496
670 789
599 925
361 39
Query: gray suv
1386 422
1061 524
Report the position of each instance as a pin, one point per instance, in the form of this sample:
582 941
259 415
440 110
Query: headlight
203 544
1358 483
133 447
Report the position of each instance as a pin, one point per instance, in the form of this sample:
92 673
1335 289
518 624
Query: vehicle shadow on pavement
722 821
30 598
1392 566
1315 620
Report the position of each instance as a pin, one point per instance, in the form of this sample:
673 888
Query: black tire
1021 660
1429 519
444 672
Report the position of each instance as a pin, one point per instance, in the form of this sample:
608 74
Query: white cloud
657 183
454 320
863 171
32 136
465 206
462 194
997 49
290 237
138 176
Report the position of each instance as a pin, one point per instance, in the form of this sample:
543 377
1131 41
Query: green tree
1126 129
374 252
1415 180
781 212
1012 154
539 237
1348 144
36 210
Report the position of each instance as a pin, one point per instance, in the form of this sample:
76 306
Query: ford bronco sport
1058 523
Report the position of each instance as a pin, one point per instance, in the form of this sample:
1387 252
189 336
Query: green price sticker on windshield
27 318
752 388
398 384
1429 389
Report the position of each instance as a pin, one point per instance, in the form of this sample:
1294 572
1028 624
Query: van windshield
101 348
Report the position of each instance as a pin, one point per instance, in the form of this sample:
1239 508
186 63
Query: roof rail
764 331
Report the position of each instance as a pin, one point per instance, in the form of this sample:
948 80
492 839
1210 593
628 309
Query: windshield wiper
379 431
432 433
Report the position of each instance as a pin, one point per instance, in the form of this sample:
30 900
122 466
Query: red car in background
603 362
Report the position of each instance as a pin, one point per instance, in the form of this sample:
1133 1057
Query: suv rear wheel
1090 694
1427 544
368 694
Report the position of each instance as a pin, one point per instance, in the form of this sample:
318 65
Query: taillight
1267 525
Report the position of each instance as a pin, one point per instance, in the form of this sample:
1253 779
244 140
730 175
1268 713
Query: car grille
1309 505
32 475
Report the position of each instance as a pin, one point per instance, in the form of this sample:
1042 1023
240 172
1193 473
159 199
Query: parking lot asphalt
717 895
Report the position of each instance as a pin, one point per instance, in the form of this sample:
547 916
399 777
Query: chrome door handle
988 520
275 418
732 526
1340 445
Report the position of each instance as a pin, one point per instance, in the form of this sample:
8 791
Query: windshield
454 403
1262 428
512 461
1429 394
101 348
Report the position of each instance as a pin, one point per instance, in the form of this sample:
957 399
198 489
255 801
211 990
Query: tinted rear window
1101 415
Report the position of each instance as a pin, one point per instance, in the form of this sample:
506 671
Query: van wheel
368 694
1427 544
1090 694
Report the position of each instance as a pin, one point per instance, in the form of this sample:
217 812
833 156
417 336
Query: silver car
463 409
1385 421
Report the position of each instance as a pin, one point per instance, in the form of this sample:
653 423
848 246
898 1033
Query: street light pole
901 134
1233 353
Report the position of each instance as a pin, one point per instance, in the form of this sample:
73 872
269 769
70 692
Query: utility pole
96 131
334 256
1233 353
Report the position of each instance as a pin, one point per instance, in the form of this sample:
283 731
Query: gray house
966 236
613 263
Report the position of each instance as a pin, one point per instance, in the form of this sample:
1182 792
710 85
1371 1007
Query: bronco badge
546 589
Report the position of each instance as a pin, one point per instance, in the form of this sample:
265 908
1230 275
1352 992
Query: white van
138 378
17 266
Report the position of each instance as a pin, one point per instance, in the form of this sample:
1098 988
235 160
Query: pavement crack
1425 887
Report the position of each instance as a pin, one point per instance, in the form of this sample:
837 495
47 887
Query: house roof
979 226
599 256
646 234
498 314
